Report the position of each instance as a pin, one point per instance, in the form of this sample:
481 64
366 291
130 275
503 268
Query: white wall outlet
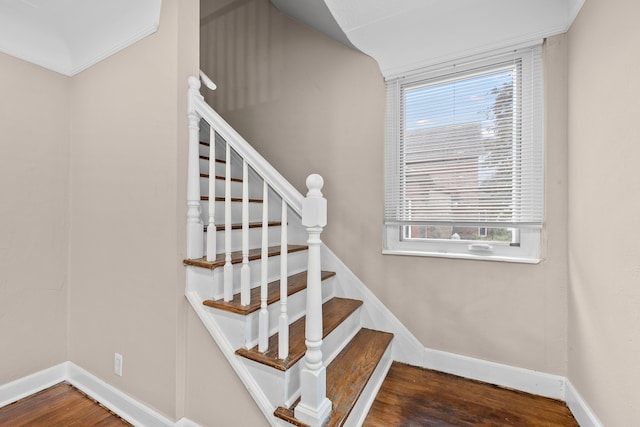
117 364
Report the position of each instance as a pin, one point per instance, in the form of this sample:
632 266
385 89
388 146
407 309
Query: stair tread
334 312
208 158
220 227
347 376
295 283
236 257
233 199
219 177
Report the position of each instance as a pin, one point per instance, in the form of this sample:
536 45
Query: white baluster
283 321
211 226
195 227
263 328
228 268
245 278
314 407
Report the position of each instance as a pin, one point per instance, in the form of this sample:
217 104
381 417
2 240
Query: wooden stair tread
220 227
295 283
221 178
334 312
233 199
207 158
347 376
236 257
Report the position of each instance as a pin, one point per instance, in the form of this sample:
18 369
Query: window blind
464 145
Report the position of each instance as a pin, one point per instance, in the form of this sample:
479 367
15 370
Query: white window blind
464 145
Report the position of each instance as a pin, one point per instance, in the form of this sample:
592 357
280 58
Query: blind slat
466 147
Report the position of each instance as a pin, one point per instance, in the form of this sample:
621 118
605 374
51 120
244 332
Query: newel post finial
314 206
314 407
194 83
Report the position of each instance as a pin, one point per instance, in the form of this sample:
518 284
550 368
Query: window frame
528 249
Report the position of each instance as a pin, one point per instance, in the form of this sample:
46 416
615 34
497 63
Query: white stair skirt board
375 315
110 397
579 407
228 351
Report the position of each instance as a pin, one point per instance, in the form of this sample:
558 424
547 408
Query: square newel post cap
314 206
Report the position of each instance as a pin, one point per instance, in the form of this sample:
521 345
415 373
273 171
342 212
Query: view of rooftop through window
460 155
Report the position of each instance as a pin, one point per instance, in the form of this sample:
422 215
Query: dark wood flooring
412 397
60 405
409 397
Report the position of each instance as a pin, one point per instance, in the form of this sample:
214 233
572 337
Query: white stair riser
255 238
242 331
255 212
236 171
296 308
220 148
236 189
285 386
210 283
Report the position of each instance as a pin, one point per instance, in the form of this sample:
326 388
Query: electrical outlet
117 364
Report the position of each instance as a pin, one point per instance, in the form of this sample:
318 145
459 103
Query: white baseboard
534 382
526 380
126 407
186 422
581 411
31 384
138 414
120 403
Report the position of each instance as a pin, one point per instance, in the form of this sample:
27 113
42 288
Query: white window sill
461 256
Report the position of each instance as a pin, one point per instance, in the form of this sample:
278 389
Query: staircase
310 342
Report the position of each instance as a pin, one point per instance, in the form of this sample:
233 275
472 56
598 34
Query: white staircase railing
314 406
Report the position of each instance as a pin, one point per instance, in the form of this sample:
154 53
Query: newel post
314 407
195 227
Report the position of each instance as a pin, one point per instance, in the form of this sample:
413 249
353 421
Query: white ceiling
408 34
68 36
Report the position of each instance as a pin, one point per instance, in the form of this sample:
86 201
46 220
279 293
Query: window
464 160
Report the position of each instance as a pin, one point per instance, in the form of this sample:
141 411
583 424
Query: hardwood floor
412 397
409 397
60 405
